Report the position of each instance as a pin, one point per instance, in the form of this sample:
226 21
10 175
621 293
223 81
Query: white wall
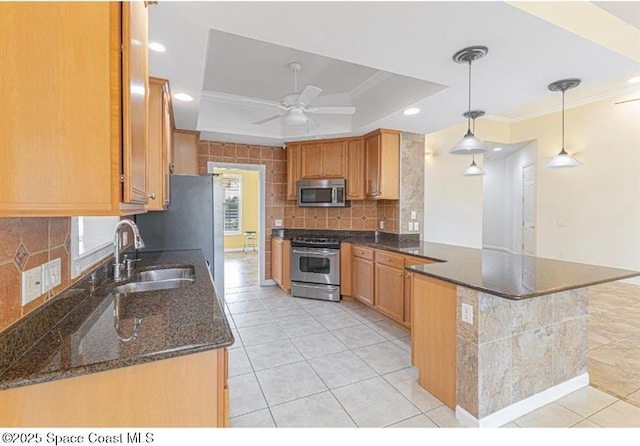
453 203
589 214
494 209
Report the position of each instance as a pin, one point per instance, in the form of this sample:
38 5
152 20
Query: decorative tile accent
10 230
21 256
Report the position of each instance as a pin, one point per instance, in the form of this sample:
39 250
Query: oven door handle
326 252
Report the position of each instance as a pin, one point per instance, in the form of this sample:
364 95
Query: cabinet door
407 298
389 291
135 100
355 170
167 126
155 171
389 165
185 152
293 169
276 260
60 115
372 169
285 268
334 159
311 161
362 283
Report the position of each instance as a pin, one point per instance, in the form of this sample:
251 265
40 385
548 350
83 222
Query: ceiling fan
295 107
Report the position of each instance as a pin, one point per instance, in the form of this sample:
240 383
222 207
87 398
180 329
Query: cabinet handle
152 196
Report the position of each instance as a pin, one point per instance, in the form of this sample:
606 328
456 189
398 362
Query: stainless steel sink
154 275
158 279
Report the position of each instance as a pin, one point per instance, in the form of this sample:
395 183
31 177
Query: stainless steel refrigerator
193 220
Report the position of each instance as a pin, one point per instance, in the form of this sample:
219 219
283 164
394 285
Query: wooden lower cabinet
433 336
346 275
362 283
378 279
281 263
186 391
389 280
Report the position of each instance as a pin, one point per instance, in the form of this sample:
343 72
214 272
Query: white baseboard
632 281
523 407
498 248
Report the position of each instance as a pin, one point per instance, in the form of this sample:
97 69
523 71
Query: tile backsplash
24 244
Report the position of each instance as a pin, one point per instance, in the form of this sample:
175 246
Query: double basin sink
158 279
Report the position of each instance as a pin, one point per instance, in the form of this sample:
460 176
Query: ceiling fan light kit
469 144
563 159
295 107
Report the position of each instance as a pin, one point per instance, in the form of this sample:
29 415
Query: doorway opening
509 191
243 224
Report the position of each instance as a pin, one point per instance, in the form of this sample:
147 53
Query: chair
250 241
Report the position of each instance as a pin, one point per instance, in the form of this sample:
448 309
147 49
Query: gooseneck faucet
138 243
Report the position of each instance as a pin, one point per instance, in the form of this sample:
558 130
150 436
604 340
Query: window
232 185
91 241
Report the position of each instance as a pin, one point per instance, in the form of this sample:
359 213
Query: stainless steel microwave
322 193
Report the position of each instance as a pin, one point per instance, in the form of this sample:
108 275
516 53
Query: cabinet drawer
393 260
363 253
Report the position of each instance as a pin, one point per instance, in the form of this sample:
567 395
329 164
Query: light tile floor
307 363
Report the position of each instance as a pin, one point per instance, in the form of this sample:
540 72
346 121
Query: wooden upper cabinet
382 171
160 141
185 152
135 100
70 127
355 171
324 160
293 169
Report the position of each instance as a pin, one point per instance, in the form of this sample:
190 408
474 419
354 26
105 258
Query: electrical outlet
124 239
277 223
381 224
467 313
51 274
416 225
413 215
410 226
31 284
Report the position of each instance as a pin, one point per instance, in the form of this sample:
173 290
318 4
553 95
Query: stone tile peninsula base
506 357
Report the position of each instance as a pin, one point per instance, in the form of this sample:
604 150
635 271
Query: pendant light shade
469 144
473 169
563 159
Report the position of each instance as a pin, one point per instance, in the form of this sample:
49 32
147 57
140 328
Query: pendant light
563 159
473 169
469 144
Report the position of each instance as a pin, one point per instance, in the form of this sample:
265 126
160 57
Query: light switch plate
31 284
51 274
277 223
467 313
413 215
410 226
416 225
381 224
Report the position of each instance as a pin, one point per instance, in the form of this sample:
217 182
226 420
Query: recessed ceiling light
183 97
411 111
634 80
497 149
157 47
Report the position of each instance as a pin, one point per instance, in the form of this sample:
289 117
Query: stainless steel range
315 268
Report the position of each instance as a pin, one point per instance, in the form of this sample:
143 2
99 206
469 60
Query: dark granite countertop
89 338
500 273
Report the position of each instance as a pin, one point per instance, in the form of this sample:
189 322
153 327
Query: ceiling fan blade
308 94
332 110
263 102
262 121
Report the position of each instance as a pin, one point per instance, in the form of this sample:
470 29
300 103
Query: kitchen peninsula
494 335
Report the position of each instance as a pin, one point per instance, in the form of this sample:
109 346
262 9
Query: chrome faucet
138 243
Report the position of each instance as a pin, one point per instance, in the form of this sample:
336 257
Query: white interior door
529 209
